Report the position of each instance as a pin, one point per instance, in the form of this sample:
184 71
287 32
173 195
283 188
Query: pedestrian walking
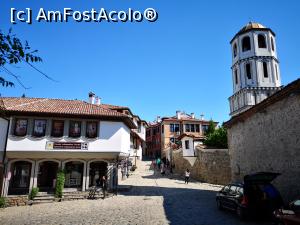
187 176
104 186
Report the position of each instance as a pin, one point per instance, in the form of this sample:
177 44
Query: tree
211 128
217 139
13 52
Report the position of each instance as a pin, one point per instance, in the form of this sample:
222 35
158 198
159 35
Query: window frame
265 70
248 69
63 122
261 41
187 144
244 49
80 127
44 131
86 129
15 127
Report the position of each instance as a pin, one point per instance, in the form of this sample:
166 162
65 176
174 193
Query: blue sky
180 62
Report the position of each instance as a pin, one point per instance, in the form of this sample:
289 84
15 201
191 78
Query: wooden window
39 128
75 129
91 129
21 127
57 128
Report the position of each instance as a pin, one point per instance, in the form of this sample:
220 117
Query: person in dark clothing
187 176
104 186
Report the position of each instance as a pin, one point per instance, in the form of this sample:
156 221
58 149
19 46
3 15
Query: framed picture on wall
39 128
91 129
21 127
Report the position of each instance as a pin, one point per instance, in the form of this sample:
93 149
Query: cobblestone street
153 199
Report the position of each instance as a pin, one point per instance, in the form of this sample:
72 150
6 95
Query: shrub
2 202
217 139
60 183
33 193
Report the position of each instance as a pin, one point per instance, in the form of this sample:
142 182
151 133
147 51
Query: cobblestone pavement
153 199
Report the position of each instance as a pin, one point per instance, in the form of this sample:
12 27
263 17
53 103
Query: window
75 129
232 190
139 127
246 46
204 128
276 71
187 144
192 127
236 76
162 129
57 128
91 129
234 50
261 41
21 127
197 128
174 127
272 44
248 70
39 128
265 69
187 128
226 188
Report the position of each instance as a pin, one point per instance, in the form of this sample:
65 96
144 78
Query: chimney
98 101
91 98
178 114
202 117
158 119
193 115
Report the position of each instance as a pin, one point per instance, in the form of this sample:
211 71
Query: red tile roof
60 107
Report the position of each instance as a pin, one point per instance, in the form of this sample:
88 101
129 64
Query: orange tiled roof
57 106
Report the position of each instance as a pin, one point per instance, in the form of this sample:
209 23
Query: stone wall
210 165
17 200
269 140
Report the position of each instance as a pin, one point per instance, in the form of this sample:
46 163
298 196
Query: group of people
164 166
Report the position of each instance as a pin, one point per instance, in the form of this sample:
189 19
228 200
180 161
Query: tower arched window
261 41
234 50
265 69
272 44
248 70
246 45
236 76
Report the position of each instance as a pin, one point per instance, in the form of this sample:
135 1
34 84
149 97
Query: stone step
46 197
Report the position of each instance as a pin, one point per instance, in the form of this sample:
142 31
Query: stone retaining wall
210 165
17 200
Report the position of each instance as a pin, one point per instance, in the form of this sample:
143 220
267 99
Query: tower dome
255 67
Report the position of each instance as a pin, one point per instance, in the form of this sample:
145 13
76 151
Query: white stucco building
38 136
255 67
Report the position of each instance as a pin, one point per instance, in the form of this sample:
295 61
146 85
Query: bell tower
255 67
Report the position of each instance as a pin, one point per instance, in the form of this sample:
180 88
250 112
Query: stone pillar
84 176
36 171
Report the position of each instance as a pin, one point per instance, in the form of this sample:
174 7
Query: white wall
3 133
190 151
113 137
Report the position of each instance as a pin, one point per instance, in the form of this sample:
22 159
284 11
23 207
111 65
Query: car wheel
219 205
240 212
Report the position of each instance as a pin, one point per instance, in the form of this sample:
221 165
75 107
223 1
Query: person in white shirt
187 176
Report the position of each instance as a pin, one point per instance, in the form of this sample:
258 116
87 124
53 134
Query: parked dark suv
256 196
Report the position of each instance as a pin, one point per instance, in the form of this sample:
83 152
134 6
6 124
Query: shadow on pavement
189 206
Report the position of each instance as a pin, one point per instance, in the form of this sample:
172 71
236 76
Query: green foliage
217 139
12 51
60 183
211 128
33 193
2 202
